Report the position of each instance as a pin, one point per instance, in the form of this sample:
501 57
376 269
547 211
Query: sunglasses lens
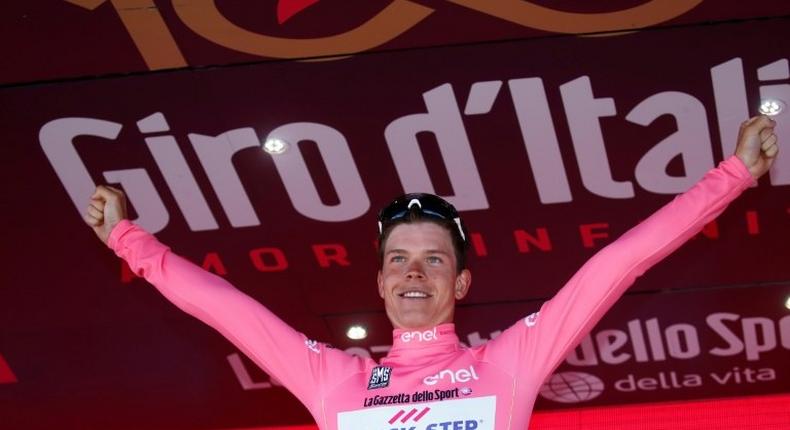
428 204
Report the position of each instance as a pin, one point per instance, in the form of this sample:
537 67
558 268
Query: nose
415 270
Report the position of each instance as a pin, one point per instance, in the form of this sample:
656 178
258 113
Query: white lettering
732 105
444 120
584 354
609 341
182 183
215 154
540 139
420 336
734 344
57 141
339 164
585 116
691 142
178 176
784 331
638 341
758 336
609 345
583 111
676 342
662 381
654 339
460 375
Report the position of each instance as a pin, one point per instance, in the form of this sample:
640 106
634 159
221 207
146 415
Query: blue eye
434 259
397 259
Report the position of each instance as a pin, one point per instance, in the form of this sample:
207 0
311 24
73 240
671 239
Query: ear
462 283
380 282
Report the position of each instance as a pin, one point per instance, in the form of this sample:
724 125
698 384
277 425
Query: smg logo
379 377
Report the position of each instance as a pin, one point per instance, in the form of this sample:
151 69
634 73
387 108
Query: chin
416 322
410 323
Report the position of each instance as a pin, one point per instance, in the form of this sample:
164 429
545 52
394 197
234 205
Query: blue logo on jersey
379 377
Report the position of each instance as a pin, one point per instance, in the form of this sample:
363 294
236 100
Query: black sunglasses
428 204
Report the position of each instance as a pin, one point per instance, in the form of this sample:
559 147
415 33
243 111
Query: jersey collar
439 337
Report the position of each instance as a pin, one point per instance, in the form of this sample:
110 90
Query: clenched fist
757 145
106 209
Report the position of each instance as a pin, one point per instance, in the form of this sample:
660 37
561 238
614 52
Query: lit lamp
273 145
771 107
356 332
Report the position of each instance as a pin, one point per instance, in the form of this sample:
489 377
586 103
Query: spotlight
357 332
771 107
274 145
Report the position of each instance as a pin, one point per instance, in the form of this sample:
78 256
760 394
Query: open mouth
414 295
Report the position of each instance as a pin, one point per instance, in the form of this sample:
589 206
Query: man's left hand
757 144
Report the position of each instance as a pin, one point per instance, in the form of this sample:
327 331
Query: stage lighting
274 145
772 107
357 332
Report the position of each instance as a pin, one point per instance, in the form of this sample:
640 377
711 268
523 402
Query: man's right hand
106 209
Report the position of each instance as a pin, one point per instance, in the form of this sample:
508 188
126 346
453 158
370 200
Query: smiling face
418 279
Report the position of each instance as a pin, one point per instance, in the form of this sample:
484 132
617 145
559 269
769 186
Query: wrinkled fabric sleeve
273 345
543 340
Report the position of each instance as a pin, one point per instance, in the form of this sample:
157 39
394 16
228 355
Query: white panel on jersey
463 414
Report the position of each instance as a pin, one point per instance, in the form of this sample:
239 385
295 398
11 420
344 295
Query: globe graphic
571 387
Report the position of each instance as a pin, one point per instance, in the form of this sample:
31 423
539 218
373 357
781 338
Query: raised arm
546 338
269 342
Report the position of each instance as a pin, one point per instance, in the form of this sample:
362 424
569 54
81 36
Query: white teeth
414 294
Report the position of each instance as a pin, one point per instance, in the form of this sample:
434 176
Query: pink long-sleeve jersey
429 381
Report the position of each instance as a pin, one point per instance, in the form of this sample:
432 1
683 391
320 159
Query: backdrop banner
550 148
54 39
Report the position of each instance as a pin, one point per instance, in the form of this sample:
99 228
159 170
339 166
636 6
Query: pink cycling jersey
429 381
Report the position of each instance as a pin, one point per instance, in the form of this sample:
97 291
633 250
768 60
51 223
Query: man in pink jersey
428 380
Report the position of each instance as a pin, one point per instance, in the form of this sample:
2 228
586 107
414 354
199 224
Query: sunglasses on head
428 204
